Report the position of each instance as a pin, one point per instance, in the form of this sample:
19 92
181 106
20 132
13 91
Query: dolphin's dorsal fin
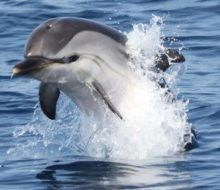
175 55
48 96
162 60
106 99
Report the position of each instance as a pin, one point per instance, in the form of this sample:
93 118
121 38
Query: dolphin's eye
49 26
71 59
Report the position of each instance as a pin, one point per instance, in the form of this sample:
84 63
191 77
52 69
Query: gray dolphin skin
85 60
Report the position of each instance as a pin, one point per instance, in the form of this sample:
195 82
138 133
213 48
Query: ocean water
145 153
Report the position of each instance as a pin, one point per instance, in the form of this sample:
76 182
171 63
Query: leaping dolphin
85 60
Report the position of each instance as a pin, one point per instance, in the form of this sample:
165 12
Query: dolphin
85 60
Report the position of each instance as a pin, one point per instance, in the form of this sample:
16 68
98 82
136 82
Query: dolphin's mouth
33 64
29 66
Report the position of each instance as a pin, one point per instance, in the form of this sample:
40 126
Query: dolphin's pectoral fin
48 96
106 99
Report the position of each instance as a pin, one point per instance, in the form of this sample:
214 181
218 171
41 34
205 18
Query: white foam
153 126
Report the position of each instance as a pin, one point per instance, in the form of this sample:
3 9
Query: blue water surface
194 23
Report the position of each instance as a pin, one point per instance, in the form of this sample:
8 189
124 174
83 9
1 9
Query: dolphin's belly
90 102
86 99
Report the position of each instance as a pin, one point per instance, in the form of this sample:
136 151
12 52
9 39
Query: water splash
154 124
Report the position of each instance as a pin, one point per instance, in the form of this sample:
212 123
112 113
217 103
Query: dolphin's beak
28 66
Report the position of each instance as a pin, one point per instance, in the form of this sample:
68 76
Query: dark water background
195 23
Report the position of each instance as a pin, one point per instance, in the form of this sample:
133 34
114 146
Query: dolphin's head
61 41
75 56
43 47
